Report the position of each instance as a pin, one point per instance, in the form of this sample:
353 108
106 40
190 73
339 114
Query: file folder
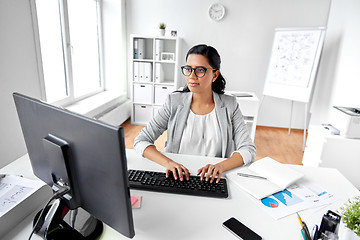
159 48
147 72
141 71
136 71
136 48
141 48
159 73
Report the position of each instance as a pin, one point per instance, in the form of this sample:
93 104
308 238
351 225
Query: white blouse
201 135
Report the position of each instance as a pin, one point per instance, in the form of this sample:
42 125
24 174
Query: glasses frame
193 70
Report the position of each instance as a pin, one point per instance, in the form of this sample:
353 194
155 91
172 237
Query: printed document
14 189
300 196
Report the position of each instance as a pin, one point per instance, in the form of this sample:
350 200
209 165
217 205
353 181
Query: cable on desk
62 191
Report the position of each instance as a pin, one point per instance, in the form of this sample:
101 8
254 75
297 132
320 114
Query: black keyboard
157 182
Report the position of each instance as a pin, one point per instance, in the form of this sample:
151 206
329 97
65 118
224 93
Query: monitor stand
55 224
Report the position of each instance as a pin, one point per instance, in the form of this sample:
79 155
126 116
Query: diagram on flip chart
293 58
293 63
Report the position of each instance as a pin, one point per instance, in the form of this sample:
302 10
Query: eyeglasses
199 71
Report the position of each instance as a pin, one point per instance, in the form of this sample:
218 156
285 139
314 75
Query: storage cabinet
154 74
143 113
143 93
161 92
334 151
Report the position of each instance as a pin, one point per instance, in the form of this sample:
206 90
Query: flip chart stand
293 65
290 122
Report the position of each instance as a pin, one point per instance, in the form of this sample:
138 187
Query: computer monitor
85 154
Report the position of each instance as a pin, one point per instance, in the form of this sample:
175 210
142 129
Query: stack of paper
19 197
270 193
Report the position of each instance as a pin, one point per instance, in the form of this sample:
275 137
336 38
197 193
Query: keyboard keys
157 181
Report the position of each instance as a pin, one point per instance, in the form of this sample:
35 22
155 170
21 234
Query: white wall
243 38
339 72
18 72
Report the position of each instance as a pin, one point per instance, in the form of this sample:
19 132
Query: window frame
67 51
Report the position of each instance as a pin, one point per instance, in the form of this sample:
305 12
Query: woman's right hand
171 167
177 170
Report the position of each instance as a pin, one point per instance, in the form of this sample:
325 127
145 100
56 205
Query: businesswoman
201 120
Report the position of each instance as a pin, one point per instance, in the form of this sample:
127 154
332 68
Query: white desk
170 216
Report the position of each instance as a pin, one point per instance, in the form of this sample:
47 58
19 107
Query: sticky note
133 200
137 204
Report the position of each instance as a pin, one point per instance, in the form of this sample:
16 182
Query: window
70 46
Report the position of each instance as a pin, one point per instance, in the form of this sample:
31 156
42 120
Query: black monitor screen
96 168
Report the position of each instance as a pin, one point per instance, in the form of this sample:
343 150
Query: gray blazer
173 116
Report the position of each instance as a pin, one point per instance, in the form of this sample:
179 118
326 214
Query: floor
269 141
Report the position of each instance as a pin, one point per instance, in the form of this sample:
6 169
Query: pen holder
330 222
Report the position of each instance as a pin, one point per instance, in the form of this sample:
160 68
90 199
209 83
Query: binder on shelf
141 48
141 71
136 71
136 48
159 48
147 72
159 73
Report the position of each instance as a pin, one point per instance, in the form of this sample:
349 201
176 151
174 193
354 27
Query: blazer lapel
222 119
182 113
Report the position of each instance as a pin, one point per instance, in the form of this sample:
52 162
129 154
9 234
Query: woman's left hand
212 171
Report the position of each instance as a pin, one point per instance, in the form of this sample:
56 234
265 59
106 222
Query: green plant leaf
350 213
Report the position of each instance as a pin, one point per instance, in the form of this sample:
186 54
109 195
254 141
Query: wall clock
216 11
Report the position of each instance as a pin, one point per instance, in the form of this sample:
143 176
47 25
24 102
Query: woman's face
195 83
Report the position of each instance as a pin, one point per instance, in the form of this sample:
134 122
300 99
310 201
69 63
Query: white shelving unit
249 105
154 74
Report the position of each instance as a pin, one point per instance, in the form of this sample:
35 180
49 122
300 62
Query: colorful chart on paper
270 202
287 198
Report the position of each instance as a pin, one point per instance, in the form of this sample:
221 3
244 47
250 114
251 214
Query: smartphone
240 230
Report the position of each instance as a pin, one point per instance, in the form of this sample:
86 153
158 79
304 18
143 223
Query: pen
302 233
251 176
315 231
304 230
300 221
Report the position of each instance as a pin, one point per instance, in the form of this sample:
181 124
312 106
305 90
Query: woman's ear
216 74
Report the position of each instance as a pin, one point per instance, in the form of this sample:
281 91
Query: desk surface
170 216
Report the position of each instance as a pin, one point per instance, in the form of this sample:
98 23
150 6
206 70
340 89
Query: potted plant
162 27
350 213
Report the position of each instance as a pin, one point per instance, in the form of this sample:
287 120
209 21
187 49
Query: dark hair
213 57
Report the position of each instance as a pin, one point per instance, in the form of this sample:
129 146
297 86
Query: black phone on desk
240 230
